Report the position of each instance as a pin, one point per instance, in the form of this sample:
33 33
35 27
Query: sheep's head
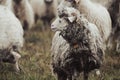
9 55
6 56
72 26
67 3
59 24
68 16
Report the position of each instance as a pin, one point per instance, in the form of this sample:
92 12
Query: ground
36 57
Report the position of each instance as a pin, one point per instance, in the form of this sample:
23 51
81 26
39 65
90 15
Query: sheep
11 37
76 47
114 10
45 10
93 12
24 12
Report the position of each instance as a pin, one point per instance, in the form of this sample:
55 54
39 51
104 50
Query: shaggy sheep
76 47
24 13
93 12
114 10
46 10
11 37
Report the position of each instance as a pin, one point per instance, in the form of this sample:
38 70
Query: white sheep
11 37
45 10
24 12
93 12
64 63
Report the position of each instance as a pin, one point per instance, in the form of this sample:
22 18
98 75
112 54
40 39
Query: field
36 56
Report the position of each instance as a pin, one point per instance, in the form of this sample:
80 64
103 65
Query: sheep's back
97 14
11 32
40 8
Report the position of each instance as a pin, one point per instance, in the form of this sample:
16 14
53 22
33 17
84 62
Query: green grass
36 56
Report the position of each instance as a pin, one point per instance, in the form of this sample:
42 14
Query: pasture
35 62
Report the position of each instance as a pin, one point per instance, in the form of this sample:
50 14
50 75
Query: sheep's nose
53 28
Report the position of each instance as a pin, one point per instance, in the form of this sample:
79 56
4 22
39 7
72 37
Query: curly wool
76 59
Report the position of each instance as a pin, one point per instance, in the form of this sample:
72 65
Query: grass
36 56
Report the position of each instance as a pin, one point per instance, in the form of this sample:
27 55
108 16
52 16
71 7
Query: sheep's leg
36 18
16 66
25 25
16 59
85 75
118 47
61 76
46 24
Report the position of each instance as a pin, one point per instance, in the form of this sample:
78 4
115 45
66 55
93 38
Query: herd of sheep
83 31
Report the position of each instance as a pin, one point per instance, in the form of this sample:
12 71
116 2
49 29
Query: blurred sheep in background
11 37
45 10
24 12
114 10
113 7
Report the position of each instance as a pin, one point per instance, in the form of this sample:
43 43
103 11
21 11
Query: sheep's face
6 56
9 58
59 24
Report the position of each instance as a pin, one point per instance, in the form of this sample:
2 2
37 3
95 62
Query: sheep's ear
71 19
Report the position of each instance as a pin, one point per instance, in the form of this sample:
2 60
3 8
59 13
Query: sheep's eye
59 21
